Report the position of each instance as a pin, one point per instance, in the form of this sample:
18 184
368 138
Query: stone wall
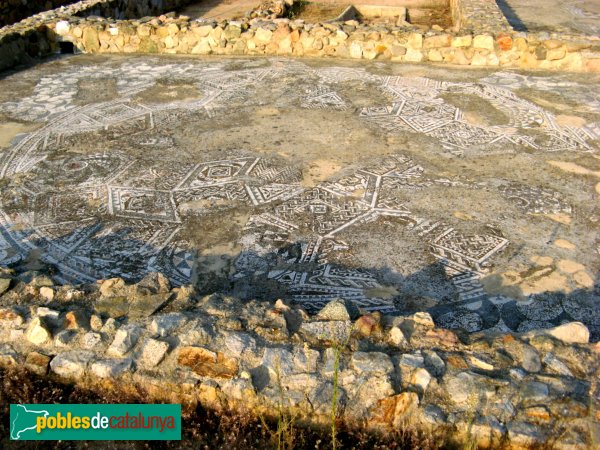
12 11
489 388
346 40
33 37
484 37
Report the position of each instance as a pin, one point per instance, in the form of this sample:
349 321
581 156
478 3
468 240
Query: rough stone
420 379
153 352
330 331
49 315
4 285
413 55
524 434
112 287
207 363
555 365
534 391
8 355
163 325
368 325
278 361
92 340
37 363
338 309
47 293
571 333
96 322
263 35
372 363
111 368
38 332
71 364
415 40
202 31
144 305
306 360
355 50
462 41
504 41
154 282
394 410
483 41
441 40
114 307
64 338
434 363
238 343
77 320
11 317
125 339
465 389
62 27
396 337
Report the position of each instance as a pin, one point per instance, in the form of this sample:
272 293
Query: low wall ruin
488 388
480 36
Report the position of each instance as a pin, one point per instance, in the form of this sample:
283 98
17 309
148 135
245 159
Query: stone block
125 339
372 363
72 364
437 41
37 363
484 42
415 41
207 363
38 331
462 41
111 368
153 352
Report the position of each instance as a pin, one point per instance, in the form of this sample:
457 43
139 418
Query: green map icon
24 420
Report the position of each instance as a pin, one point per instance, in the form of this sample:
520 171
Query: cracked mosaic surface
310 182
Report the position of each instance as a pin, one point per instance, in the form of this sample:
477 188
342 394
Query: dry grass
202 428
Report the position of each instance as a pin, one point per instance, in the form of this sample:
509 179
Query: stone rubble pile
488 387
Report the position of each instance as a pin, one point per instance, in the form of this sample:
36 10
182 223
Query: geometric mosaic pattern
416 106
332 207
114 213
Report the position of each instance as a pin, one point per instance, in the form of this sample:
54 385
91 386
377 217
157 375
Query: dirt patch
570 121
313 12
476 110
9 130
362 95
558 104
96 91
563 243
319 170
386 292
550 283
165 91
214 233
574 168
568 266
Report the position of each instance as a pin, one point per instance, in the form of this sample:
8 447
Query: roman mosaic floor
474 195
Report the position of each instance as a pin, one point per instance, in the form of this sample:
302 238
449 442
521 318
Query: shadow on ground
511 15
427 289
